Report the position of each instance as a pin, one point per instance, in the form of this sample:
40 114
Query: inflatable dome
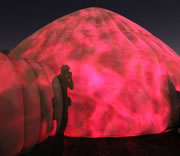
124 77
29 111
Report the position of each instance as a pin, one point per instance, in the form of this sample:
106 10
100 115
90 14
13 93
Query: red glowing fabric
120 72
11 109
28 115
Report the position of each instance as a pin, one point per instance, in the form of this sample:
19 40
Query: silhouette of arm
70 83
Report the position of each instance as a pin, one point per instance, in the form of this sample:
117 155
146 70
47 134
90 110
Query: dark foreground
167 144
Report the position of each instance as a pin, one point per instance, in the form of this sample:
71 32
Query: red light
119 71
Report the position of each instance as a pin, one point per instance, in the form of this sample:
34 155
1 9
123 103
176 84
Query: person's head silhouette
64 69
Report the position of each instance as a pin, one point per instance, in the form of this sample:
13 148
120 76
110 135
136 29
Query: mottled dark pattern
130 36
113 61
79 54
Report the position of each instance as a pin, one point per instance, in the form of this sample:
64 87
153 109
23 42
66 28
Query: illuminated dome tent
120 72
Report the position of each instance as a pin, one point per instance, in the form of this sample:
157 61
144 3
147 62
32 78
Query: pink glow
120 72
53 131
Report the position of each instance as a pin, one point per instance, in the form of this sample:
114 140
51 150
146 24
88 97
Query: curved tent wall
124 81
11 109
120 72
28 105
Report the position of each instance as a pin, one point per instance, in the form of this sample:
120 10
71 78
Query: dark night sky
19 19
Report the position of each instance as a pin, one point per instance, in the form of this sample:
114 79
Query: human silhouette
66 82
65 79
54 145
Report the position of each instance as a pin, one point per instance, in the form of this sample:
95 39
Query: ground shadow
53 146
